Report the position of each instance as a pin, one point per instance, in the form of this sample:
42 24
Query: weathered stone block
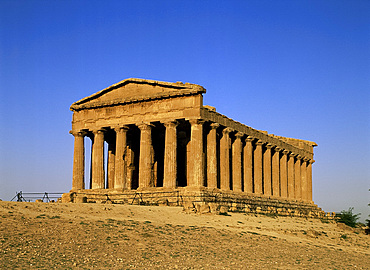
80 199
189 207
223 209
213 207
233 207
163 202
204 209
67 198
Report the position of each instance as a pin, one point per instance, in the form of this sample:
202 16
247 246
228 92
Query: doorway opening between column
132 157
109 157
158 141
88 142
183 149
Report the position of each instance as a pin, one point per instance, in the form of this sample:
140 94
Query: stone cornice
216 117
179 89
296 142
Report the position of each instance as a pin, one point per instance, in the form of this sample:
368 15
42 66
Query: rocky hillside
109 236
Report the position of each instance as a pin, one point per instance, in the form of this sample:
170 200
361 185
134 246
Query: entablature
214 116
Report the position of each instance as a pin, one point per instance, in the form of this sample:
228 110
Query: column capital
268 146
227 130
259 142
277 149
196 121
78 133
121 128
291 154
169 124
311 161
214 125
298 157
99 131
249 139
144 126
285 152
239 135
305 159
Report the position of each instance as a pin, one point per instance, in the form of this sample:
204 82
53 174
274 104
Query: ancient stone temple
155 142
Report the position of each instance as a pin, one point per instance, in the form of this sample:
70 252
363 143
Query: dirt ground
109 236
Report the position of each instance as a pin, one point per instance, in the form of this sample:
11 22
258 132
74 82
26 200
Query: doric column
248 165
309 179
225 159
130 167
146 156
267 184
196 154
237 162
98 160
257 166
78 161
291 185
304 179
276 172
284 175
170 155
297 178
120 164
212 156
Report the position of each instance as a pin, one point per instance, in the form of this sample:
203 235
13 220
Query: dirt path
85 236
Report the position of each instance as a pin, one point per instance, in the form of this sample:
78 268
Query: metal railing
32 196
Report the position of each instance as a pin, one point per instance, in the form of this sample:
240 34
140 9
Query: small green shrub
348 217
367 229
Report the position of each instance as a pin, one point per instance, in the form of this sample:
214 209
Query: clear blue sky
299 69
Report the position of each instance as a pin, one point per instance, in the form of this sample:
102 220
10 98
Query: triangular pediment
135 90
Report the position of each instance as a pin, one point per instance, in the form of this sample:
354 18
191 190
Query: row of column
256 167
117 166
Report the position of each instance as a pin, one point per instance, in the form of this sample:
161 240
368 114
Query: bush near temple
348 217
